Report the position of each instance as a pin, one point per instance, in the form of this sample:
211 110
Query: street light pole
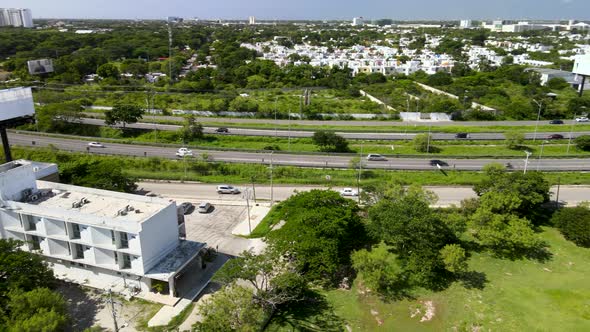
289 146
526 161
569 142
428 144
358 181
541 154
271 184
538 118
276 99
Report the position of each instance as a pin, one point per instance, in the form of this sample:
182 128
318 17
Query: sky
308 9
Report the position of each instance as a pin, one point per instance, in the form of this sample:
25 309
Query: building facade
16 17
103 239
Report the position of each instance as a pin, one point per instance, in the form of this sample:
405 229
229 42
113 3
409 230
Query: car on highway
184 152
348 192
95 145
555 136
186 207
204 207
582 119
222 130
435 162
556 121
376 157
462 135
227 189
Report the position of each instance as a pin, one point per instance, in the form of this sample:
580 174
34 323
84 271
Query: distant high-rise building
16 17
358 21
465 24
251 20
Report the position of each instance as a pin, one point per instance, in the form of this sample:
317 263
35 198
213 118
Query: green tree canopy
123 113
574 224
328 141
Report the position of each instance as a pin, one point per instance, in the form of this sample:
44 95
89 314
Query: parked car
435 162
556 121
348 192
187 207
582 119
462 135
555 136
376 157
184 152
227 189
95 145
222 130
204 207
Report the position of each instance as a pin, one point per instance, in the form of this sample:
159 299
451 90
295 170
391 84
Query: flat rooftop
97 203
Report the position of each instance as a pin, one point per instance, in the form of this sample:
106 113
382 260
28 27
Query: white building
103 239
251 20
16 17
358 21
465 24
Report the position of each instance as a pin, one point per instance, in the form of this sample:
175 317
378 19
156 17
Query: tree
192 129
557 83
243 104
108 70
21 270
37 310
574 224
123 113
231 309
454 257
329 141
379 269
514 139
423 143
321 229
440 79
583 142
100 174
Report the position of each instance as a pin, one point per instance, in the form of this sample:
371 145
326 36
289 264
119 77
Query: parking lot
215 228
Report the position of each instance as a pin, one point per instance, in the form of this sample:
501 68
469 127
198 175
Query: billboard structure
42 66
16 108
582 67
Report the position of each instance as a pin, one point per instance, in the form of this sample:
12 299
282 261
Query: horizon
309 10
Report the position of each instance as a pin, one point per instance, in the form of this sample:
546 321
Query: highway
348 123
73 143
347 135
196 192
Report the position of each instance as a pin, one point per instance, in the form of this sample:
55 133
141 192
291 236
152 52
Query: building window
126 261
36 242
79 251
75 231
116 258
124 240
113 237
32 225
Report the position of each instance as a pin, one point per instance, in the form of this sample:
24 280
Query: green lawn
519 295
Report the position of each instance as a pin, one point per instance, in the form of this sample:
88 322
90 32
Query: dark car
186 207
556 122
555 136
462 135
222 130
435 162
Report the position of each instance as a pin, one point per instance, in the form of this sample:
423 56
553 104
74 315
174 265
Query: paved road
195 192
347 135
72 143
352 123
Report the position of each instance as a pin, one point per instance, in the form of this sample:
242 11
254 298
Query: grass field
517 296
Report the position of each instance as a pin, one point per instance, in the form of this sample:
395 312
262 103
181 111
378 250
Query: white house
103 239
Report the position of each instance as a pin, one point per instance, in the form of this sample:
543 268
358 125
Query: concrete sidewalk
257 213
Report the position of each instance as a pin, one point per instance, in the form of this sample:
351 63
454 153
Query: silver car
204 207
227 189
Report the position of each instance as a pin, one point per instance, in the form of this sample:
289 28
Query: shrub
574 224
583 142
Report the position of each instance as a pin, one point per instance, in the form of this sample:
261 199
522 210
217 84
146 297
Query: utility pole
557 196
569 142
358 181
428 144
253 190
247 193
271 184
289 147
276 100
541 154
112 303
526 161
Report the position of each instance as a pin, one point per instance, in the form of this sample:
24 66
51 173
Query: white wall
158 236
54 227
59 248
14 181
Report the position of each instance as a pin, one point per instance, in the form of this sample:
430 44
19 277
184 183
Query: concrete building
16 17
251 20
572 79
465 24
358 21
99 238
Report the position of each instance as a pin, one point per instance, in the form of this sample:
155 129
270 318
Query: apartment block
16 17
99 238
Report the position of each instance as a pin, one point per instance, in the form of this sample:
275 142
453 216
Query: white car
204 207
348 192
184 152
376 157
95 145
227 189
582 119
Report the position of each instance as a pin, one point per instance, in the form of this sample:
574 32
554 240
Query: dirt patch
426 309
